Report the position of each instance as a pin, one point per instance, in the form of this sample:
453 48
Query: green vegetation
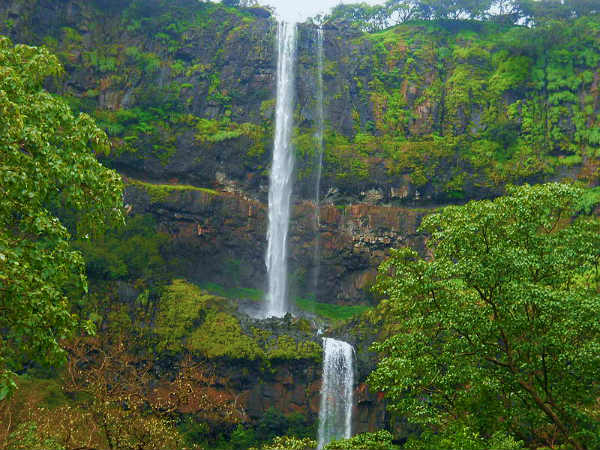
392 12
190 318
380 440
492 341
26 437
235 293
181 306
47 164
287 348
289 443
450 96
497 334
274 424
130 252
464 438
221 336
209 131
500 104
161 192
329 310
590 199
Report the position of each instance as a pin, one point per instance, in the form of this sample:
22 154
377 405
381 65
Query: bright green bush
290 443
464 439
379 440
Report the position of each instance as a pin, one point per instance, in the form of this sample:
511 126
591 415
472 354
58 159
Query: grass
159 192
236 293
330 311
324 310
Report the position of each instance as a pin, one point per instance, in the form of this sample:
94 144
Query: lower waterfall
335 412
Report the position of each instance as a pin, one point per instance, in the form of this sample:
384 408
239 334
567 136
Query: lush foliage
380 440
498 332
461 437
290 443
460 110
129 252
456 108
47 165
392 12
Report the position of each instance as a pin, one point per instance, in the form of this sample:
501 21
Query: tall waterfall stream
280 188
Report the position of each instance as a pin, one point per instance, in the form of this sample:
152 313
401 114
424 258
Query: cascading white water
319 162
335 413
280 189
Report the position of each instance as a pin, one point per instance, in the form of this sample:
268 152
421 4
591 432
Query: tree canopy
378 17
498 332
47 166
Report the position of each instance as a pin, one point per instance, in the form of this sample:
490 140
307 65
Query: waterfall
280 188
335 413
319 160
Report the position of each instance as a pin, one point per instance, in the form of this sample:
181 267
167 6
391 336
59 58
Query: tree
366 17
231 3
379 440
402 10
290 443
129 407
454 9
541 10
47 165
498 332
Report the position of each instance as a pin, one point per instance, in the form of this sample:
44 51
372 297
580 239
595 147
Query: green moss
234 292
182 305
571 160
190 318
330 311
150 63
499 103
161 192
286 347
221 336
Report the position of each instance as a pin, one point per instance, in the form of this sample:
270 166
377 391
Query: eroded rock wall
211 229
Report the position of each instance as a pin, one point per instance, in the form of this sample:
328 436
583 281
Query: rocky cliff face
220 237
288 387
422 113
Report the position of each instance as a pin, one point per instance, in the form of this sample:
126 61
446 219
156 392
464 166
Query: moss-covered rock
441 111
286 347
161 192
221 336
182 306
189 319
